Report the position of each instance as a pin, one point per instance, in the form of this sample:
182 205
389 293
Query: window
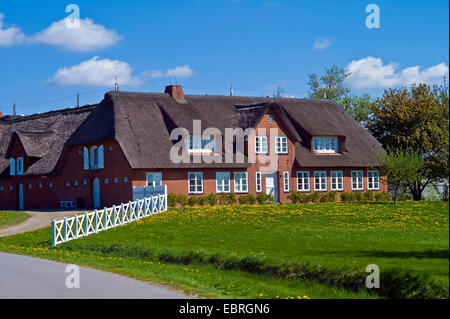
240 182
320 181
96 157
325 144
222 182
261 146
258 182
195 181
12 166
373 180
154 178
357 180
19 166
281 144
337 181
286 181
201 143
303 181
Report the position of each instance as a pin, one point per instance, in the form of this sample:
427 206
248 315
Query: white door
20 197
96 190
271 185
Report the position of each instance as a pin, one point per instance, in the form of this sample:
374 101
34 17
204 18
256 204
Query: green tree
331 86
415 120
402 168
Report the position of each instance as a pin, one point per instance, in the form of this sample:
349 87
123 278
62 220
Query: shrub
211 199
223 199
382 197
202 200
328 197
369 196
182 200
345 197
357 197
171 200
261 198
251 199
231 199
314 197
294 197
192 200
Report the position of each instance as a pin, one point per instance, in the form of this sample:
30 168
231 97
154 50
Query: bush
202 200
314 197
193 200
251 199
328 197
223 199
182 200
243 199
262 198
382 197
294 197
345 197
211 199
358 197
369 196
171 200
231 199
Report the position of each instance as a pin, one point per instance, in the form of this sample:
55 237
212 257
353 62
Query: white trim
339 176
362 181
286 183
305 177
321 177
240 182
279 139
369 172
196 180
223 182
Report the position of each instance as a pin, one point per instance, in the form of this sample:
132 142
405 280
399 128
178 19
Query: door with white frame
21 197
272 185
96 192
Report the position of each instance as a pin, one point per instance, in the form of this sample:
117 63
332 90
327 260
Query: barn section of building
94 155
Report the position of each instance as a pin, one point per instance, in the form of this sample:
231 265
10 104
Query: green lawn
269 251
8 218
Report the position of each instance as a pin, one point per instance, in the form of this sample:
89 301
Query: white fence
79 226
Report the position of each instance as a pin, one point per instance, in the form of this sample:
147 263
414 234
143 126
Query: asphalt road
33 278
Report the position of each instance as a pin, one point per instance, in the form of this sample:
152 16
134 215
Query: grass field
8 218
272 251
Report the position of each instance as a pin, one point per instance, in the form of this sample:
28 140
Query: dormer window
201 144
325 144
16 166
93 157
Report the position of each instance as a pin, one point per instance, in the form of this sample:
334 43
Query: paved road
26 277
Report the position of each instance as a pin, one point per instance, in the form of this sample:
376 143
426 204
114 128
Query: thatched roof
42 135
141 123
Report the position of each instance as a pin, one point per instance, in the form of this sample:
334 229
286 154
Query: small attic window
270 119
326 144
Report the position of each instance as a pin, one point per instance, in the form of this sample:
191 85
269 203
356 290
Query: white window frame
335 177
304 178
222 179
374 181
325 144
148 174
279 143
258 177
361 185
286 183
321 175
261 144
198 182
238 182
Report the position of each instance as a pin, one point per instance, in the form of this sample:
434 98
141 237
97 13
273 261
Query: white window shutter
100 157
12 167
86 158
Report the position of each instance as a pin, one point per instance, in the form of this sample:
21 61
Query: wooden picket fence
86 224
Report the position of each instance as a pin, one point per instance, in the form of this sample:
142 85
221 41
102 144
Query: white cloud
370 72
184 71
322 43
87 37
10 36
96 72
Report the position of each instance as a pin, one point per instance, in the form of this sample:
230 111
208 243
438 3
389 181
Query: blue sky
208 45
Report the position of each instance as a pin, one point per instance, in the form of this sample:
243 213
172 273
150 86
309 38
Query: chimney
175 91
1 115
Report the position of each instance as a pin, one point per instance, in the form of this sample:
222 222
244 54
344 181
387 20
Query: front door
20 196
96 191
271 185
